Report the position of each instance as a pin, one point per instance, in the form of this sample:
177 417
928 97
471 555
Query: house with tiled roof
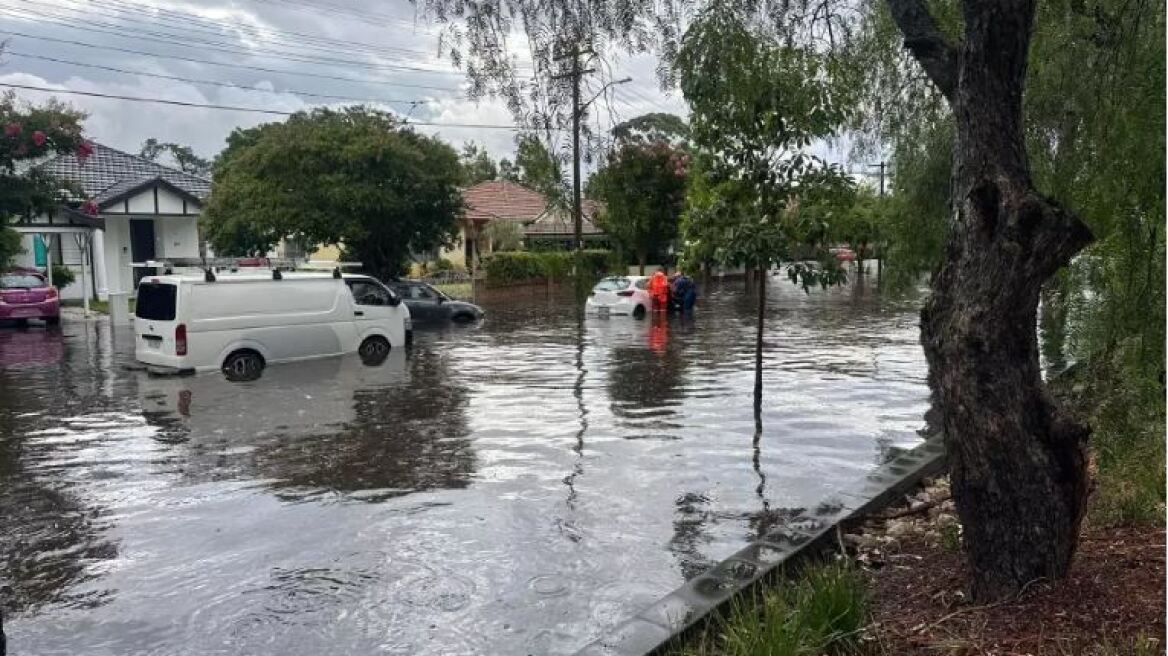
138 210
542 221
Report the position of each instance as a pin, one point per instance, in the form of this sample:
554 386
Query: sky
284 51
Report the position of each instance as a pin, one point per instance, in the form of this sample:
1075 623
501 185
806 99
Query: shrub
62 276
516 267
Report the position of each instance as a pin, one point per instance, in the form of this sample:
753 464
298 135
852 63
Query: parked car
26 294
241 323
429 304
620 295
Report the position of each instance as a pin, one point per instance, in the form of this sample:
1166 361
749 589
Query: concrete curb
799 537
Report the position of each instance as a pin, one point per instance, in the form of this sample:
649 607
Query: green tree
504 235
860 221
755 105
642 186
184 157
477 164
539 169
355 176
29 133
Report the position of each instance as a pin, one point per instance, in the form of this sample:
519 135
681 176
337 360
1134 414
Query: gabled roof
501 199
495 200
108 174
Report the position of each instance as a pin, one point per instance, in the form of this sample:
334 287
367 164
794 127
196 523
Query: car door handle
358 313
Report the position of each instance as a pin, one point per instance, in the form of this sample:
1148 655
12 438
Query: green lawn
95 305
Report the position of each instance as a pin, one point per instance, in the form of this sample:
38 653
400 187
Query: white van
240 323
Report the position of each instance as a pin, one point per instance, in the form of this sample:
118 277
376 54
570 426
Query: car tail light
52 293
180 339
627 292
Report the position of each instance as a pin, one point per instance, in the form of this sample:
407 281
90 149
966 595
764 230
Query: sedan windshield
21 281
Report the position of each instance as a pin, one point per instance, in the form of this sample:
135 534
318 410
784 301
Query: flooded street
516 487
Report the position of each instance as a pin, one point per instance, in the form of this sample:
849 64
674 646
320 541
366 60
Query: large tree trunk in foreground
1017 462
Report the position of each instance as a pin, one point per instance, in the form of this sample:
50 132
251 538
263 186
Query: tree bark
1017 462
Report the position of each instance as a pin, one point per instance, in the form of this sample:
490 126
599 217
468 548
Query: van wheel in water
243 365
374 350
639 312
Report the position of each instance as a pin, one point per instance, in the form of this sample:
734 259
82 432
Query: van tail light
180 339
627 292
52 293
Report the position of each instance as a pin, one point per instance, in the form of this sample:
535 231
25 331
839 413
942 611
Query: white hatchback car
620 295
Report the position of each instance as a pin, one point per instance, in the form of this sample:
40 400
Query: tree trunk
758 354
1017 462
641 257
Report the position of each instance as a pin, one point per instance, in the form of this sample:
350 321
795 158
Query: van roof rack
209 265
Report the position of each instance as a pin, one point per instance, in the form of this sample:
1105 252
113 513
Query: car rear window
611 285
21 281
156 301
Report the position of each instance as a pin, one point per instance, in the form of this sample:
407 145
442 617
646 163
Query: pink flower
38 138
84 151
11 130
89 207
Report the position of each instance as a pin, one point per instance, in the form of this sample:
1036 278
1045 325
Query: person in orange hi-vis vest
659 290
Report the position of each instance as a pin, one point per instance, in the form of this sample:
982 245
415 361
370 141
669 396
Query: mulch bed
1114 594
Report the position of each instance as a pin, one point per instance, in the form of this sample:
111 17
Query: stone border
796 538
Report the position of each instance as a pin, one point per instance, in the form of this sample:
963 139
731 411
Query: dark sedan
428 304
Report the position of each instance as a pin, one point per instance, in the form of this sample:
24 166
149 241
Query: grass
459 290
95 305
822 611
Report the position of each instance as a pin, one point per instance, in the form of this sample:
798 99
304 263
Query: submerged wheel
374 350
53 321
243 365
639 312
462 318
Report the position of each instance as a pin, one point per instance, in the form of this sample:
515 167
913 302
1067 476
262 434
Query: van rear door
156 311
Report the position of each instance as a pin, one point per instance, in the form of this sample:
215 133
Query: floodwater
516 487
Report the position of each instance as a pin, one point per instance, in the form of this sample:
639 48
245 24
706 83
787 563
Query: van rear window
156 301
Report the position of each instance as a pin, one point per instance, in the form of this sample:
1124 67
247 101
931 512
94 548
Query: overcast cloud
217 40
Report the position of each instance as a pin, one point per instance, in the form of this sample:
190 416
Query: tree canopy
642 185
184 156
477 165
355 176
29 133
756 106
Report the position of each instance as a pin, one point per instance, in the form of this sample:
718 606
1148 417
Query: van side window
368 293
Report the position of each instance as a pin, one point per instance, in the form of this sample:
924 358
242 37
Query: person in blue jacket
685 291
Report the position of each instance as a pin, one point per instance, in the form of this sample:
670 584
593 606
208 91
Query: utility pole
882 166
576 74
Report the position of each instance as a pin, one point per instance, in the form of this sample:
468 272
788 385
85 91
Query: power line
233 108
297 38
217 46
225 64
210 82
338 9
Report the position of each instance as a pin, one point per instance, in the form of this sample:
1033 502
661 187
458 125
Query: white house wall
170 202
142 203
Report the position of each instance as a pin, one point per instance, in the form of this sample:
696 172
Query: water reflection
482 495
331 426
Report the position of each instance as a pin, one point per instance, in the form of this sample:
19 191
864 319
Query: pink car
25 294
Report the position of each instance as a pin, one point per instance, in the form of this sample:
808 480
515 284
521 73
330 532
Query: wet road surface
510 488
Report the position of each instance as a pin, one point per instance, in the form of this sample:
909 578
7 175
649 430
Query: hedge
522 266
